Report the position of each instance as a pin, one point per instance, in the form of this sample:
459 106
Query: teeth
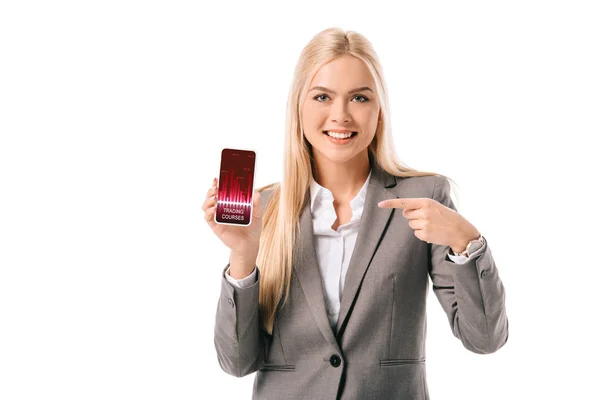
338 135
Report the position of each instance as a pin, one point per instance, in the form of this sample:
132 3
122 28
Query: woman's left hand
435 223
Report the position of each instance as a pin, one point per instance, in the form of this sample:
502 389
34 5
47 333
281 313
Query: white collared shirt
333 247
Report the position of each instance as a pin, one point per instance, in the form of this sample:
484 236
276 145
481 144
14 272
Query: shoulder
266 192
267 189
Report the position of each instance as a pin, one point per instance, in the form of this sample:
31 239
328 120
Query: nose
339 112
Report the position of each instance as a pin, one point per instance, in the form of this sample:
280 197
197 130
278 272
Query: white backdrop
113 115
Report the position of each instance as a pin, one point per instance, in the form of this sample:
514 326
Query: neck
343 179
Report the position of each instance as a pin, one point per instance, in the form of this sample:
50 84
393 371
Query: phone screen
236 186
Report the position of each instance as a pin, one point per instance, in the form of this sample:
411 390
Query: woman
325 292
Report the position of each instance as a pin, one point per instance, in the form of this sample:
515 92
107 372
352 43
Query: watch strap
471 247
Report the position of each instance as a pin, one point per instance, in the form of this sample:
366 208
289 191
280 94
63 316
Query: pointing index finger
410 203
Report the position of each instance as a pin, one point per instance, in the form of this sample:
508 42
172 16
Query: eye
360 95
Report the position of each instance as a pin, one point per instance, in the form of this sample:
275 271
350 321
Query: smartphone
236 187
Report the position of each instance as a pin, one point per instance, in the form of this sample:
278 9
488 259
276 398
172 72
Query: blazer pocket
278 367
401 361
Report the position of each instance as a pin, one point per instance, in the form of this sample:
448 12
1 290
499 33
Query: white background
113 115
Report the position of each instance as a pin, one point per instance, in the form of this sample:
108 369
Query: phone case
236 187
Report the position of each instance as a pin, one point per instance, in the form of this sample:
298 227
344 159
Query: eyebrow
324 89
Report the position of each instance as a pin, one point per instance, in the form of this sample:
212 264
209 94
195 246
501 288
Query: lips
338 130
353 133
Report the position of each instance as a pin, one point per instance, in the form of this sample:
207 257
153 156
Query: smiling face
341 96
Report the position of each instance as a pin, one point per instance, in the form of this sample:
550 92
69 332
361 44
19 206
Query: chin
339 155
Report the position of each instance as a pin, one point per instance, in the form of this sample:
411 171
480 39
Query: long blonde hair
282 212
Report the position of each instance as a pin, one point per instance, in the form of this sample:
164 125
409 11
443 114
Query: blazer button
335 360
484 273
230 302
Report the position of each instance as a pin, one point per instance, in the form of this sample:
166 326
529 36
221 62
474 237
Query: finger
416 224
407 203
411 203
209 215
213 188
413 214
420 235
211 192
209 202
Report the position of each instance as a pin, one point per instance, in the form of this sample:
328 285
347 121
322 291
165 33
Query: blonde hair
282 211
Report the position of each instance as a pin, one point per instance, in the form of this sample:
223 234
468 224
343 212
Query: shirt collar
317 192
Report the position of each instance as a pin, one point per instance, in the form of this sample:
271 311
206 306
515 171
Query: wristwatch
472 247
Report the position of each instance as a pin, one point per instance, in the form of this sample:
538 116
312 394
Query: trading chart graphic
236 185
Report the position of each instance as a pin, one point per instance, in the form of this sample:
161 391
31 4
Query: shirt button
230 301
335 360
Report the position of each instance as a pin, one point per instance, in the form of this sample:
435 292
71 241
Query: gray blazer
377 350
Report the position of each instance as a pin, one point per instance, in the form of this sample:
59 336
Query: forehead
343 72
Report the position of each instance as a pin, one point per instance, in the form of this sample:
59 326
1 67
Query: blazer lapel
306 266
371 228
308 273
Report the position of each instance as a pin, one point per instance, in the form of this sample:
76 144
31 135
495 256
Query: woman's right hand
242 240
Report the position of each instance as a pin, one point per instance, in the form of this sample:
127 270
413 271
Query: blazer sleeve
471 294
238 337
